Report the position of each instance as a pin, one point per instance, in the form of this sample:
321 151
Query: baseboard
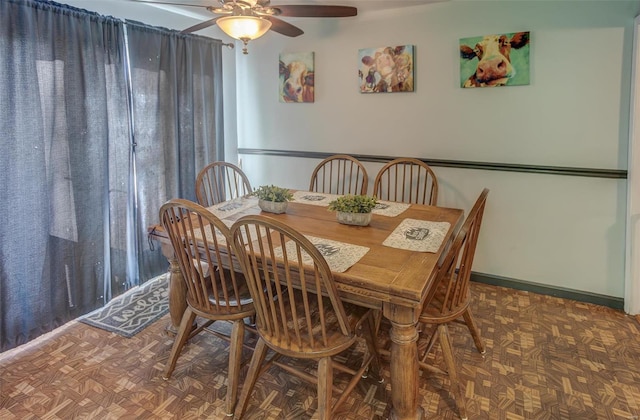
597 299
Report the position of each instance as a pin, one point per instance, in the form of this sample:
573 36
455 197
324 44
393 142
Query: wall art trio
485 61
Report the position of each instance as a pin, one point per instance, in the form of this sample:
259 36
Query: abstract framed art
386 69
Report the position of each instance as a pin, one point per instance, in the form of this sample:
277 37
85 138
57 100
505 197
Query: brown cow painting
495 60
297 77
386 69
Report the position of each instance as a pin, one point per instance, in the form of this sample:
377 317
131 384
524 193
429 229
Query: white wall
632 286
562 231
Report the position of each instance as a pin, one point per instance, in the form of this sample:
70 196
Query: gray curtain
177 110
87 158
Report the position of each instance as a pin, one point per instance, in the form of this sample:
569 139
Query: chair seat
336 341
243 293
226 304
435 312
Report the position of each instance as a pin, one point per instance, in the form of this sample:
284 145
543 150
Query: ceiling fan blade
284 28
201 25
300 10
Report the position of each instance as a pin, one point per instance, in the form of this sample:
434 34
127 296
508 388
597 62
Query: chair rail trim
488 166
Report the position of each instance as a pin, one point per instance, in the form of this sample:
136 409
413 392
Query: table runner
339 255
418 235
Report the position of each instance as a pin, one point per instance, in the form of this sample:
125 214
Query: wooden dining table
388 278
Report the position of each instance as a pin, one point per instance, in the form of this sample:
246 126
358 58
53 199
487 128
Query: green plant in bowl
273 199
353 209
353 204
273 193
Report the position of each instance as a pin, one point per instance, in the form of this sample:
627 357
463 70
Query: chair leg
475 333
181 338
257 360
235 359
325 388
447 353
377 316
372 326
432 341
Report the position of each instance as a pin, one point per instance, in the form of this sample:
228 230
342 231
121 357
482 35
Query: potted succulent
353 209
273 199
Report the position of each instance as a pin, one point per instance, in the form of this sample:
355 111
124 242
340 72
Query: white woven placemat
197 234
314 198
221 239
418 235
339 255
231 207
389 208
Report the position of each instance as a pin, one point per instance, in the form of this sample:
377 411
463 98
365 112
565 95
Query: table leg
177 291
404 370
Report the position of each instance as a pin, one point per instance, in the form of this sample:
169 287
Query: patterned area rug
130 313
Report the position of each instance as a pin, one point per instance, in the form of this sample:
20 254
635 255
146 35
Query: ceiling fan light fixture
244 28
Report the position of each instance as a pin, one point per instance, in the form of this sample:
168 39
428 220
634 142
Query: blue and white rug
130 313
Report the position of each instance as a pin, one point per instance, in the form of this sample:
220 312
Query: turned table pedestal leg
404 364
177 291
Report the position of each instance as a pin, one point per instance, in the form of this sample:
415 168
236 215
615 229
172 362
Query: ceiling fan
250 19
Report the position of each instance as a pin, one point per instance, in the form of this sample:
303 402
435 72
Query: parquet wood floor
547 358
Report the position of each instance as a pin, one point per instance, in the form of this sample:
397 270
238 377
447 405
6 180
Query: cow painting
296 77
386 69
495 60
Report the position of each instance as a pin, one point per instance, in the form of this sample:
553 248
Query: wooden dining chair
449 300
213 293
298 311
340 174
221 181
406 180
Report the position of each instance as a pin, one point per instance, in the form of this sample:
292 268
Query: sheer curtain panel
96 133
177 110
63 116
